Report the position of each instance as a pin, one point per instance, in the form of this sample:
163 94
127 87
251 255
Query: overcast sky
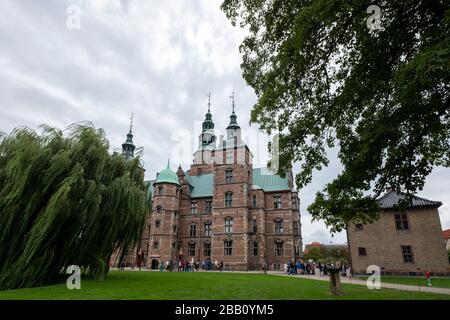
156 59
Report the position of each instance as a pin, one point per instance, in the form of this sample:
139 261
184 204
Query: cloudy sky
156 59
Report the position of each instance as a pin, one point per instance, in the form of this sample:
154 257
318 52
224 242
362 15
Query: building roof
167 176
267 181
446 234
201 186
391 199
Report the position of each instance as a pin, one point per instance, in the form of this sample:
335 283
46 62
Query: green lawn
202 285
415 281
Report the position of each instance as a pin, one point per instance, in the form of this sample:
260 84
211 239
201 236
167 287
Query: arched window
279 248
229 199
229 176
174 229
158 209
157 223
278 226
156 245
192 230
160 190
228 247
228 225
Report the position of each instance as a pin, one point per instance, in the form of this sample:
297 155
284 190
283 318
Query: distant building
446 235
402 241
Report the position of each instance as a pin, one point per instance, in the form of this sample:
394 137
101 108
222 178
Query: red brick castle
222 209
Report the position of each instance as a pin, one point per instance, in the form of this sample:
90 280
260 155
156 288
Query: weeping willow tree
64 200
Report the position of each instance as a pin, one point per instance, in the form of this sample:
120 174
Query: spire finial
209 102
168 163
232 101
131 122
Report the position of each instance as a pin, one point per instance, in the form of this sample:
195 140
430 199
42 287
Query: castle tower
204 156
232 182
165 219
128 146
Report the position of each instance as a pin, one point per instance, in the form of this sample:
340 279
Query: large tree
64 200
325 78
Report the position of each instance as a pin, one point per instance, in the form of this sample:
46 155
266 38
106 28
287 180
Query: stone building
223 209
401 242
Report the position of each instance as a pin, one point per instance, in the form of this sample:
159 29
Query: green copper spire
233 118
208 124
128 146
168 176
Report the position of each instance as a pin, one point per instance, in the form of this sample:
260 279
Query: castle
220 209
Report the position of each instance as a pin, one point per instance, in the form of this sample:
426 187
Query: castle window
254 248
174 229
295 227
156 245
208 206
277 202
407 254
254 201
228 199
229 176
194 207
158 209
228 247
191 249
192 230
208 229
160 190
362 251
157 223
359 227
207 249
230 157
254 225
228 225
401 221
278 226
279 248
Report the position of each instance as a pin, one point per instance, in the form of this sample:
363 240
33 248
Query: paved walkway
386 285
354 281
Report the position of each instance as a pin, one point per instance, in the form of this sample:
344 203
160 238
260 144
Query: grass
206 286
415 281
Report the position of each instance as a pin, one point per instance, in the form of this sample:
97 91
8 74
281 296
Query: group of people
310 268
191 266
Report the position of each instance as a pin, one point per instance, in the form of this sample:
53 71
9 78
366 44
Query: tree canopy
64 200
325 80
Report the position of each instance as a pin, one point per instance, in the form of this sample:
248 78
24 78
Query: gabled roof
264 179
393 198
446 234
